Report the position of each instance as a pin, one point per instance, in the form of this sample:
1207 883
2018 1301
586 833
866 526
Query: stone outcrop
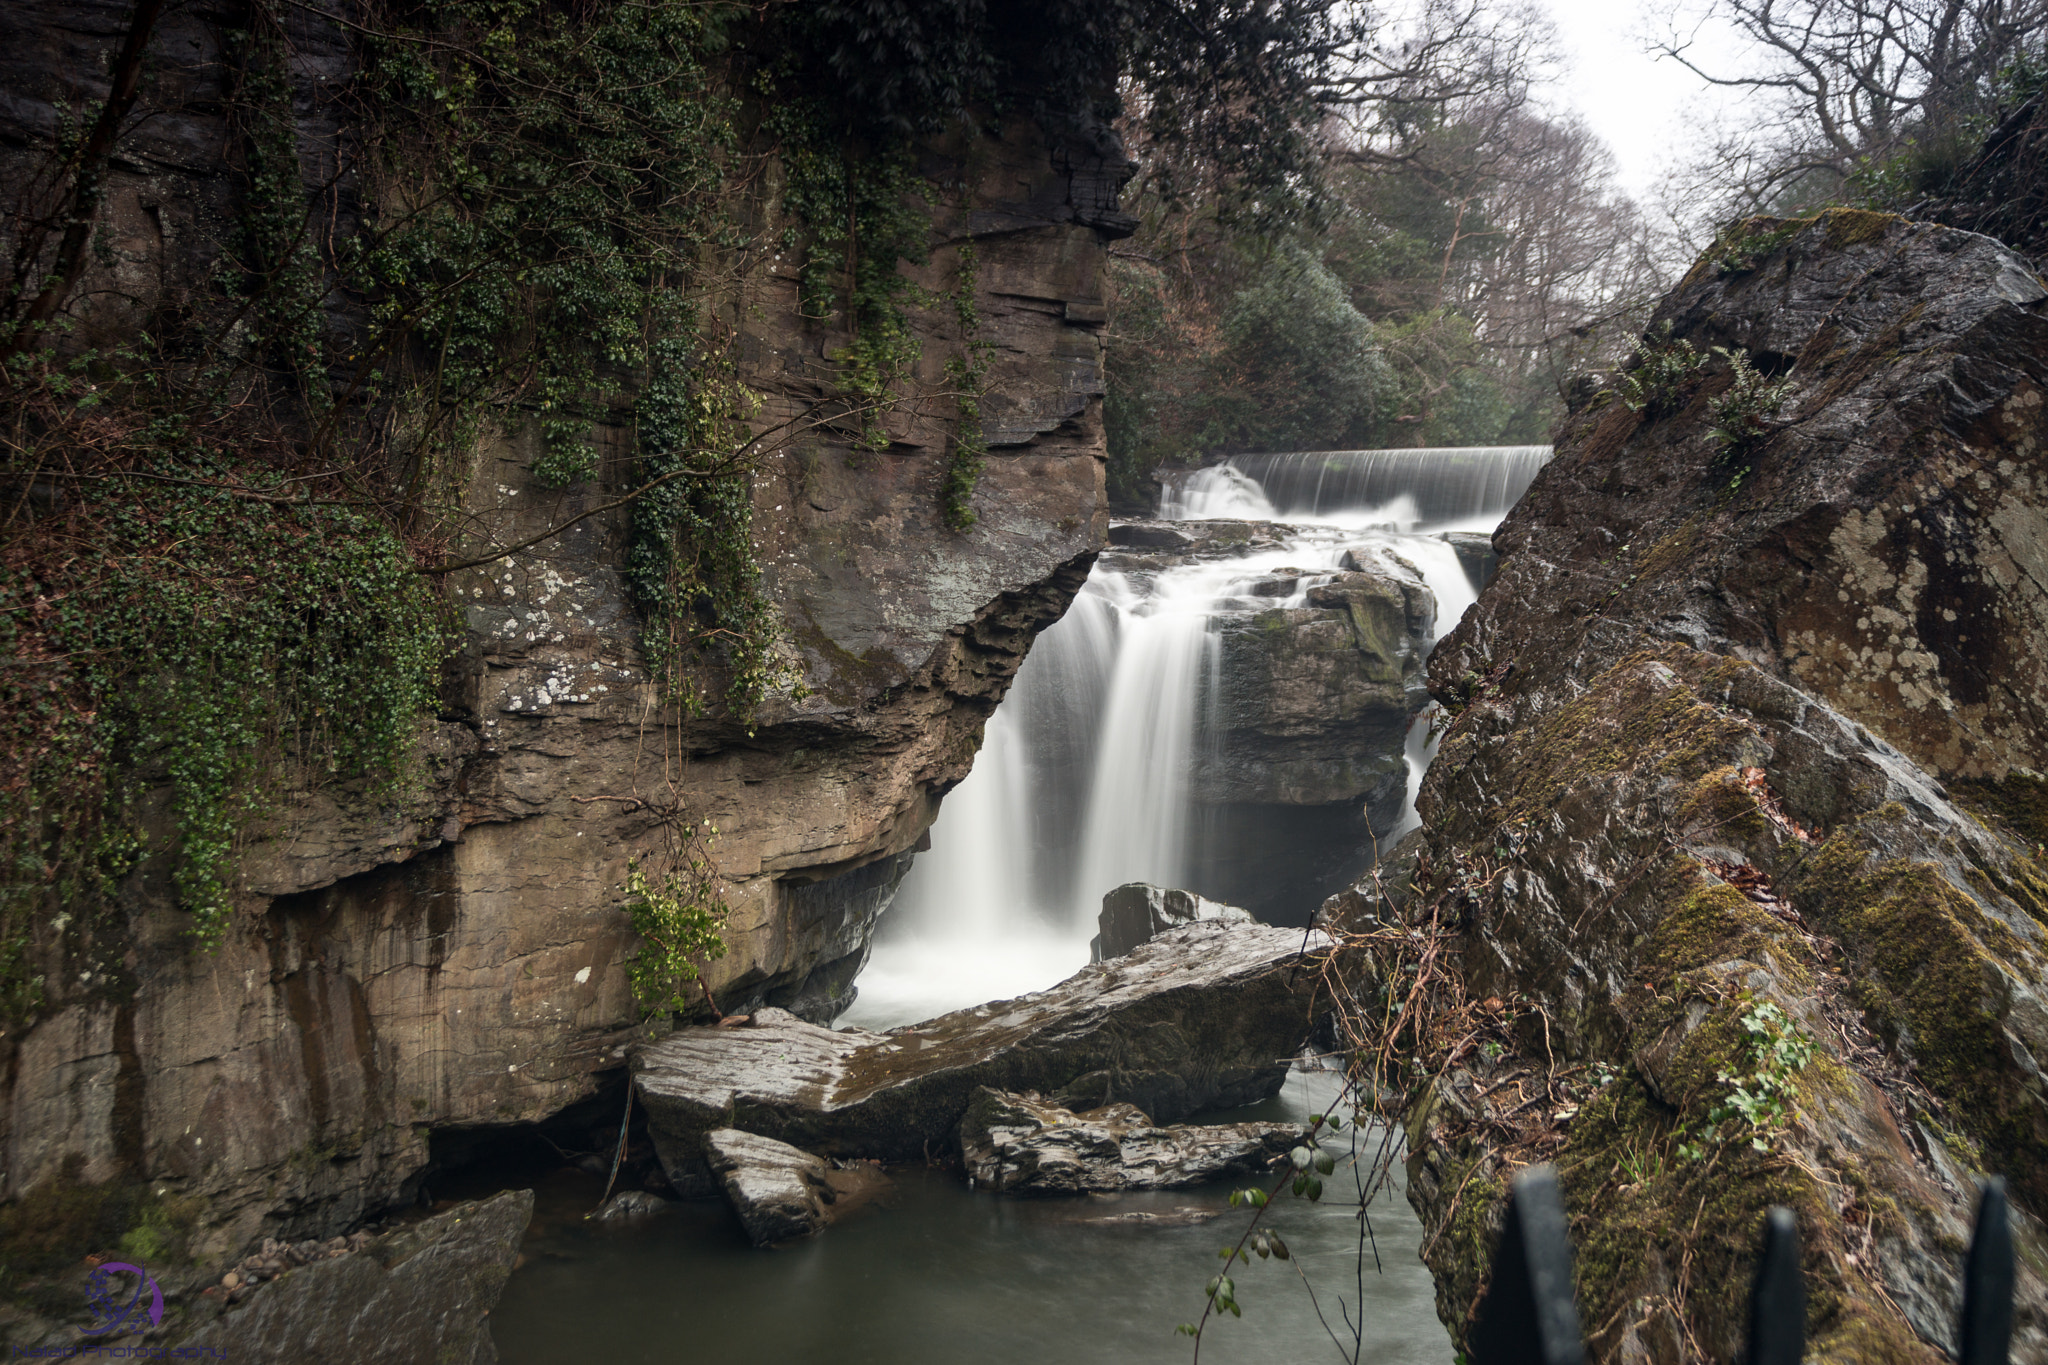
1019 1144
779 1192
1760 723
458 958
1320 674
1137 913
1201 1017
419 1295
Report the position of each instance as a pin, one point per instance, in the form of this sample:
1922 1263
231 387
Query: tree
1844 85
1492 248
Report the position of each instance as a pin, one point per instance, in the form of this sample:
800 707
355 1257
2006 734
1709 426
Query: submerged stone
1019 1144
632 1204
1201 1017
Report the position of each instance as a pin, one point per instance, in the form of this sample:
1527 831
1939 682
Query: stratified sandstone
1738 727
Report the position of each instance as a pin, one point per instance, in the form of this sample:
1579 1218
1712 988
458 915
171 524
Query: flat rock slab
1019 1144
1201 1017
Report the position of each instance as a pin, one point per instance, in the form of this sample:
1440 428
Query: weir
1095 769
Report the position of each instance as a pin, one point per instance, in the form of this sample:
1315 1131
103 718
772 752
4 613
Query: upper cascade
1445 487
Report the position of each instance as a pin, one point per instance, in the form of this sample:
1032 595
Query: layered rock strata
1743 796
1201 1017
457 958
1019 1144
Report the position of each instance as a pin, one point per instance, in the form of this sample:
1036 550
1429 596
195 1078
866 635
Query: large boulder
1138 912
419 1295
1741 807
1204 1016
1019 1144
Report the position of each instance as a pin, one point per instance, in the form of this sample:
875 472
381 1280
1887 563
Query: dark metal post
1988 1281
1527 1316
1777 1301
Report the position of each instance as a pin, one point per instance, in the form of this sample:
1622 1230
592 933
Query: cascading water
1083 781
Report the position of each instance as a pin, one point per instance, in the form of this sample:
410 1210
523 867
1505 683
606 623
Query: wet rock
1315 699
1475 556
1201 1017
1019 1144
780 1192
1761 725
1138 912
1149 535
631 1205
420 1294
1380 895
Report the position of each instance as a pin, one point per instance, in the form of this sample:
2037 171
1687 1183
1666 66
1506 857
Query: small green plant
968 374
1303 1173
679 921
1656 376
1741 417
1760 1097
1742 246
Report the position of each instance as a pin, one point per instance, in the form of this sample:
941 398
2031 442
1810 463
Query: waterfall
1449 488
1083 780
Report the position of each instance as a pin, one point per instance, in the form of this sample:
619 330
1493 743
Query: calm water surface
934 1272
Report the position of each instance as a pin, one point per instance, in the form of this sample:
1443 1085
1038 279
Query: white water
1082 783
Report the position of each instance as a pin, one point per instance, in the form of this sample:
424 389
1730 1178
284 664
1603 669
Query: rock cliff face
1747 757
457 960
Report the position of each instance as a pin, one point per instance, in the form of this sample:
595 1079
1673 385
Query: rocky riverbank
1740 806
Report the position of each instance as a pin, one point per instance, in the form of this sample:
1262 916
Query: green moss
1742 246
1928 978
59 1222
1717 924
1720 807
1639 1212
2018 802
1630 719
1652 1231
1853 227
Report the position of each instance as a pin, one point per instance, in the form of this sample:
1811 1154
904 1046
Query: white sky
1649 111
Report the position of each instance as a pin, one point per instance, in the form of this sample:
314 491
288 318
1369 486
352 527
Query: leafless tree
1838 82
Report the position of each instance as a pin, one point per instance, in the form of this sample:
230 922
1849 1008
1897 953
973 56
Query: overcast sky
1649 111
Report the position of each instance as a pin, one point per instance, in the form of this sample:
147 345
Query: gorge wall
455 960
1747 748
